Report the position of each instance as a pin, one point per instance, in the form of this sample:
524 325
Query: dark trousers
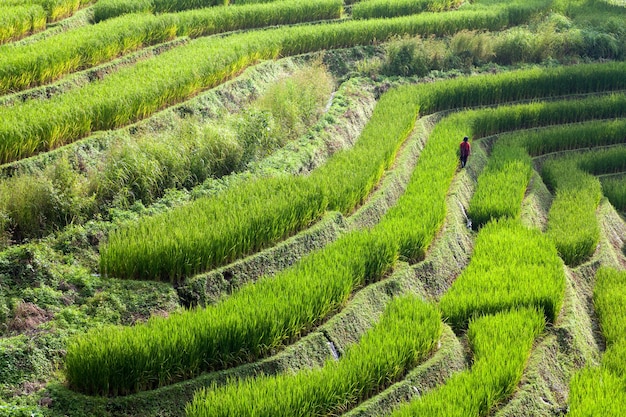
463 161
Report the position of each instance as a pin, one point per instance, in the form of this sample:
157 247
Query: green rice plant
19 21
59 9
501 345
568 137
507 118
213 232
54 9
251 323
407 331
614 188
371 9
109 9
502 185
572 222
610 304
603 161
602 392
511 267
36 64
421 210
597 393
527 85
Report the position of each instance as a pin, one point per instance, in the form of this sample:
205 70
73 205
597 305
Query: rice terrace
258 208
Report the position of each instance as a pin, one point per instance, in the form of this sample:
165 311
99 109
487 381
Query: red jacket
465 149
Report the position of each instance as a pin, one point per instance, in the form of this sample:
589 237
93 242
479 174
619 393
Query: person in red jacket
465 151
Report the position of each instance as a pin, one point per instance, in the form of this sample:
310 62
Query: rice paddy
159 220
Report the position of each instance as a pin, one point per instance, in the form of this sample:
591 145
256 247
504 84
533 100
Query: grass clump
406 333
36 204
501 345
512 267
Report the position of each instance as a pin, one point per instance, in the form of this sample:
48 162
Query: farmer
465 151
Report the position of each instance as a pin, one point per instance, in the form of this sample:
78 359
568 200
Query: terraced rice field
257 208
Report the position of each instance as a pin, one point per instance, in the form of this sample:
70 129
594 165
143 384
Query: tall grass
503 119
408 330
36 64
251 323
603 391
383 8
502 185
572 223
137 92
603 161
19 21
501 345
527 85
511 267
